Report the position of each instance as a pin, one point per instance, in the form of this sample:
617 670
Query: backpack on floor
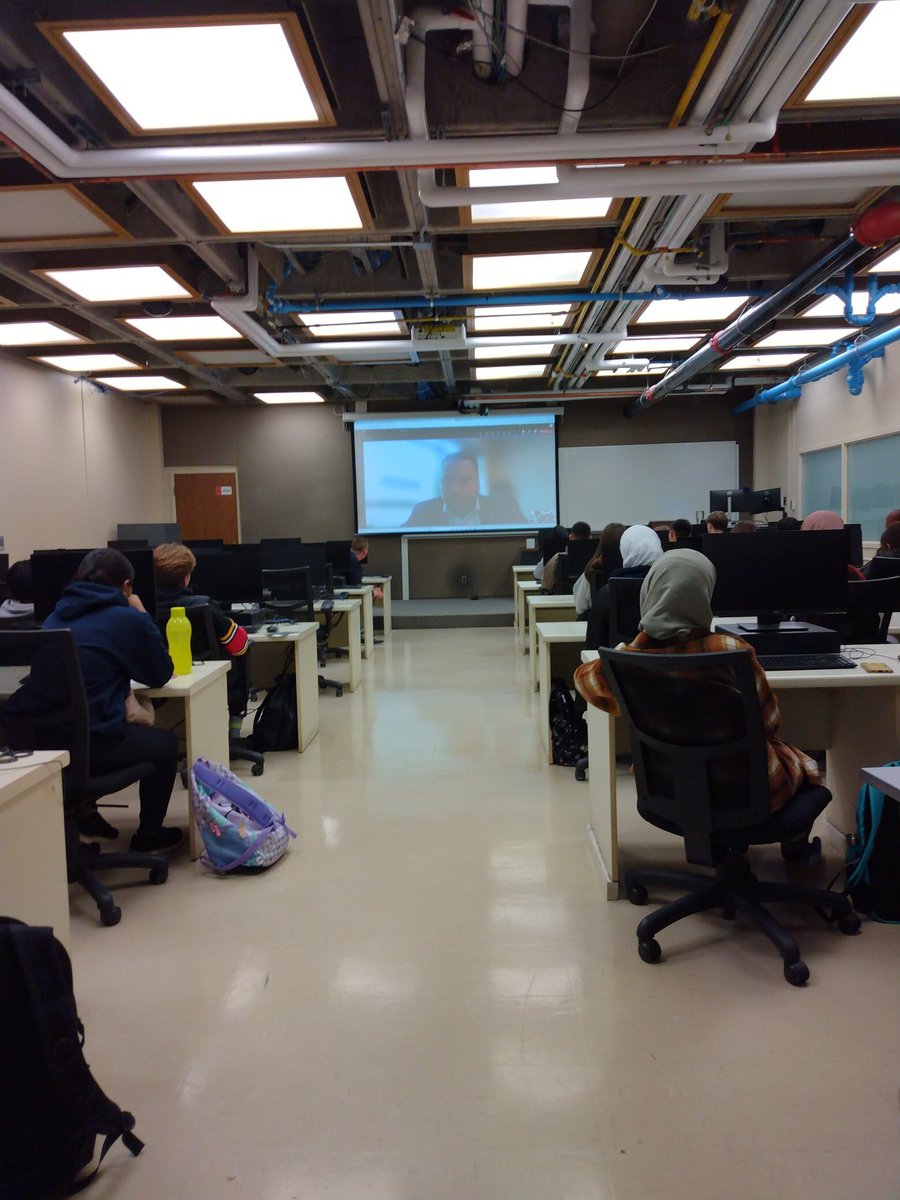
873 857
238 827
275 721
52 1110
568 732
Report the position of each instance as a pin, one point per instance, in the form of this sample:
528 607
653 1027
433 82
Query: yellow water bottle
178 635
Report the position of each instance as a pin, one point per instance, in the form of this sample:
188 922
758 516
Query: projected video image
431 474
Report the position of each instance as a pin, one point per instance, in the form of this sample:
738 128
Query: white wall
825 415
73 461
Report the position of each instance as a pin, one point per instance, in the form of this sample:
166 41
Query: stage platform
451 613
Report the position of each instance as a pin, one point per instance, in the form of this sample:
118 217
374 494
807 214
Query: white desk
522 589
885 779
384 582
560 644
544 608
365 593
267 660
346 632
852 715
204 698
33 876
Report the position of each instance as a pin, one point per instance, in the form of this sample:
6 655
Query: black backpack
51 1108
568 732
275 722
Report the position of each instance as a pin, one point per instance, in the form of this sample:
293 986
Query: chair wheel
580 774
257 768
649 950
808 853
796 973
637 894
111 916
159 874
184 777
339 691
849 923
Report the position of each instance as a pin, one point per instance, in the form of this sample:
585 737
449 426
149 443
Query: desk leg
533 650
544 701
386 608
353 634
523 623
206 736
306 680
602 832
864 734
368 626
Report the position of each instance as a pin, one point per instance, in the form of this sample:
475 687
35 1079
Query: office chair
205 645
54 716
882 566
289 593
624 609
871 604
701 769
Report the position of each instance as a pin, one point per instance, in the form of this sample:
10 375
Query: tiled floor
428 999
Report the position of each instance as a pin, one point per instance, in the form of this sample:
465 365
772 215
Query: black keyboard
805 662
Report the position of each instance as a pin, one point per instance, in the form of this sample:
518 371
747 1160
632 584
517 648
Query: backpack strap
869 808
223 781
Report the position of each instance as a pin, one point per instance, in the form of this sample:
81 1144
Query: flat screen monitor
124 544
788 573
718 500
231 575
154 533
854 532
280 553
338 553
52 571
739 500
4 567
448 473
694 542
288 591
767 500
205 543
553 543
578 554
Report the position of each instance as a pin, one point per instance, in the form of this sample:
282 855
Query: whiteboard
636 484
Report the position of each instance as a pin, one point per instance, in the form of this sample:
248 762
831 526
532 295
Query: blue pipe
844 292
790 388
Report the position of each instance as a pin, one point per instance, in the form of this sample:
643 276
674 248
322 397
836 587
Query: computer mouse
272 629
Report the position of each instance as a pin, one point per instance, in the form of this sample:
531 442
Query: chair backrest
290 590
49 710
882 566
870 605
624 609
697 739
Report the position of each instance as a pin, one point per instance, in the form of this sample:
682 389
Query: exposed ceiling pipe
514 46
483 37
880 224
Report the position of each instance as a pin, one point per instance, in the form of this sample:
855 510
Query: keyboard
805 662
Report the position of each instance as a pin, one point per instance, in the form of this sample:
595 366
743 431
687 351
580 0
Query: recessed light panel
202 76
541 350
591 207
279 205
510 372
691 310
88 362
497 319
833 306
183 329
290 397
801 337
36 333
889 265
107 284
139 383
653 345
350 324
760 362
866 67
496 271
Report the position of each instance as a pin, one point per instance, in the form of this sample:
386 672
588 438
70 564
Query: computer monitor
553 544
279 553
739 500
718 500
314 555
230 575
767 500
155 533
4 568
578 554
288 591
124 544
53 570
854 532
205 543
337 553
694 542
766 577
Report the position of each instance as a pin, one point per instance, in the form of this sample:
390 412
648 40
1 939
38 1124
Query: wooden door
206 504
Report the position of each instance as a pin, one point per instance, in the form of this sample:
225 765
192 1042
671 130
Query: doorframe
169 474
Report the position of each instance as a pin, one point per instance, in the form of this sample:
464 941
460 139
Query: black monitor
338 553
767 500
694 542
740 500
155 533
4 567
578 554
553 544
231 575
205 544
718 500
854 532
124 544
315 556
766 577
52 571
288 591
279 553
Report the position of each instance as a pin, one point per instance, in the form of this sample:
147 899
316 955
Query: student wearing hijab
676 618
822 518
640 547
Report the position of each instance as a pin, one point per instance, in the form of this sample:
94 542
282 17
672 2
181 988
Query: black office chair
288 593
701 769
624 609
53 715
871 603
882 566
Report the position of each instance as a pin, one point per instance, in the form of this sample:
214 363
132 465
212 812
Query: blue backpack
238 827
873 857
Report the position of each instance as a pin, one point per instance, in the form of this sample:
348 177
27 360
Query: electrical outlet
463 579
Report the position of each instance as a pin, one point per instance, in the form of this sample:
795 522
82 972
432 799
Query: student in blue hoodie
118 641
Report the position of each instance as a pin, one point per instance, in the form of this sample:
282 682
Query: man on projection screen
460 502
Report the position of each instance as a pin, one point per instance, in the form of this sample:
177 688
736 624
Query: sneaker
93 825
159 839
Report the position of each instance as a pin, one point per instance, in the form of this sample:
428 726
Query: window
822 481
873 483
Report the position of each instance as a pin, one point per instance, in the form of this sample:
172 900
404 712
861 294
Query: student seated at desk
888 547
676 618
172 567
118 641
17 610
640 547
580 532
352 567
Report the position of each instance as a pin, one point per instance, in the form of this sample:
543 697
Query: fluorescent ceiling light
183 329
277 205
139 383
88 362
653 345
801 337
833 306
890 264
510 372
495 271
202 76
36 333
531 210
99 284
519 316
541 350
760 362
701 308
866 67
350 324
290 397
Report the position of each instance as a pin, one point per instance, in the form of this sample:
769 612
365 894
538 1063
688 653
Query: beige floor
429 1000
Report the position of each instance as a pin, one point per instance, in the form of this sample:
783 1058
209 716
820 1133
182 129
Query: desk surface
287 632
885 779
17 777
201 676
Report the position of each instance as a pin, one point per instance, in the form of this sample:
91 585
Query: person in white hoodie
19 605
